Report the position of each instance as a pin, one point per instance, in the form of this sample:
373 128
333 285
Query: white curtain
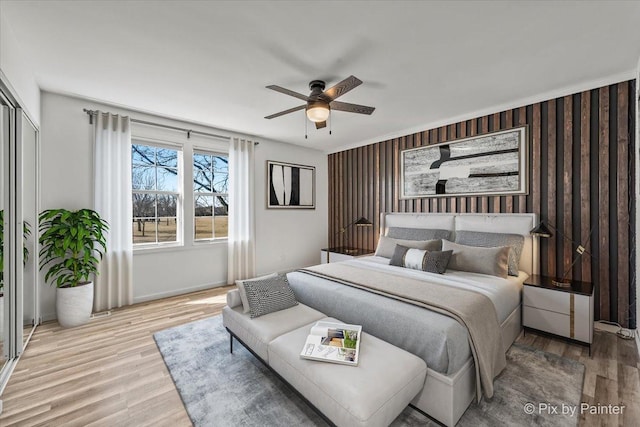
241 210
112 192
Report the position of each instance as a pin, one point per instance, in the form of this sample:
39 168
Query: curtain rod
189 132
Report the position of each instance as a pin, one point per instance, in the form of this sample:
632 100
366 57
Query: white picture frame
491 164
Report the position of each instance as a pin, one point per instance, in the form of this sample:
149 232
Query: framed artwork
290 186
490 164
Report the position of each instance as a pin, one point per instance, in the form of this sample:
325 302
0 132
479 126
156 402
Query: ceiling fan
320 102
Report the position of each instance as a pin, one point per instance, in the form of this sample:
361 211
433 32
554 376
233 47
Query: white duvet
504 293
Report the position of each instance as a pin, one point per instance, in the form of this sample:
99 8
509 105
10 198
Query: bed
443 342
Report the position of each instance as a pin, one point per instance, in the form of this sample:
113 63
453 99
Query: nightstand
562 311
342 253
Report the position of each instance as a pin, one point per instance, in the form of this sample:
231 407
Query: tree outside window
211 195
155 192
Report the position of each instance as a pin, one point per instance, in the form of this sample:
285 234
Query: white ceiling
422 63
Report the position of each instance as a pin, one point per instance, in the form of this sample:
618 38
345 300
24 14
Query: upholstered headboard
491 223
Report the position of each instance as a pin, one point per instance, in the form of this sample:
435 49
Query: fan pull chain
330 122
305 126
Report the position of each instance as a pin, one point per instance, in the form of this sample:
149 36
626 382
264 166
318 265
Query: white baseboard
150 297
638 339
174 292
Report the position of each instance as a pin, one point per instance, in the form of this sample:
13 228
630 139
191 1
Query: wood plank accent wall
580 179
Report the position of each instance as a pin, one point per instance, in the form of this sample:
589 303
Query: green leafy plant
26 232
71 243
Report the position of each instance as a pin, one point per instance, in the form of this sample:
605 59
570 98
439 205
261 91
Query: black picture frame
290 186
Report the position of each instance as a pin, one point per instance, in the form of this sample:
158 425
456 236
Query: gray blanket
472 309
439 340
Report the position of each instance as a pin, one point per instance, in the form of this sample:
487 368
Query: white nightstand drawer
548 321
546 299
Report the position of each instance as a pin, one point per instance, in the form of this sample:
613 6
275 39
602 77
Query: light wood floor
110 372
611 375
106 373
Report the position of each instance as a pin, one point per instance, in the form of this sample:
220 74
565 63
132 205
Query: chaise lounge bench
373 393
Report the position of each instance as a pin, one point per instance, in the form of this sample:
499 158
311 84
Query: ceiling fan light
318 111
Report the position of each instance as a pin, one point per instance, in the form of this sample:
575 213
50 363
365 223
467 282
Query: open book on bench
333 342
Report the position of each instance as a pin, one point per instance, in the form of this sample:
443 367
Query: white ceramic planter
74 305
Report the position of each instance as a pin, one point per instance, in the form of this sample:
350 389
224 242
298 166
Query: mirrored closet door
29 137
6 114
9 274
19 274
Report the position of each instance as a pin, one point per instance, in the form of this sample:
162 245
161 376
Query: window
156 194
210 198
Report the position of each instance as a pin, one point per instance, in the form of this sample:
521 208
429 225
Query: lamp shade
541 230
318 111
363 222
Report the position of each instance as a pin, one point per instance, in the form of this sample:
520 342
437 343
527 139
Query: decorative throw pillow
418 233
398 256
243 293
492 240
269 295
233 298
386 245
492 261
418 259
436 261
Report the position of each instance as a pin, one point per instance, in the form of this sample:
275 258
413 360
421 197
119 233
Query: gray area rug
223 389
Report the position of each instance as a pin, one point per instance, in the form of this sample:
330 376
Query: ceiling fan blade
282 113
288 92
320 125
351 108
341 88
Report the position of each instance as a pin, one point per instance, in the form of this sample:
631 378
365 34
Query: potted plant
71 243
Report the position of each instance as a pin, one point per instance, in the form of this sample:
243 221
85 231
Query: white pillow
233 298
243 292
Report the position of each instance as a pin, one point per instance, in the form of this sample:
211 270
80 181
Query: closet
19 139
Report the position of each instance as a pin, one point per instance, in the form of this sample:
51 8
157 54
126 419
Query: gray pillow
398 256
243 293
386 245
418 259
492 240
437 261
418 233
269 295
491 261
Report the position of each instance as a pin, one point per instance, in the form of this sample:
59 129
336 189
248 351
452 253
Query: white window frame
179 194
213 153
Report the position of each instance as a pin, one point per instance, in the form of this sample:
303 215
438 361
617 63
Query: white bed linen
505 294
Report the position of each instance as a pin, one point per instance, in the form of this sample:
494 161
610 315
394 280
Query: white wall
288 239
15 66
285 239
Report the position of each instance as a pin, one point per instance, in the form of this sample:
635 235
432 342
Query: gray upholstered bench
373 393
